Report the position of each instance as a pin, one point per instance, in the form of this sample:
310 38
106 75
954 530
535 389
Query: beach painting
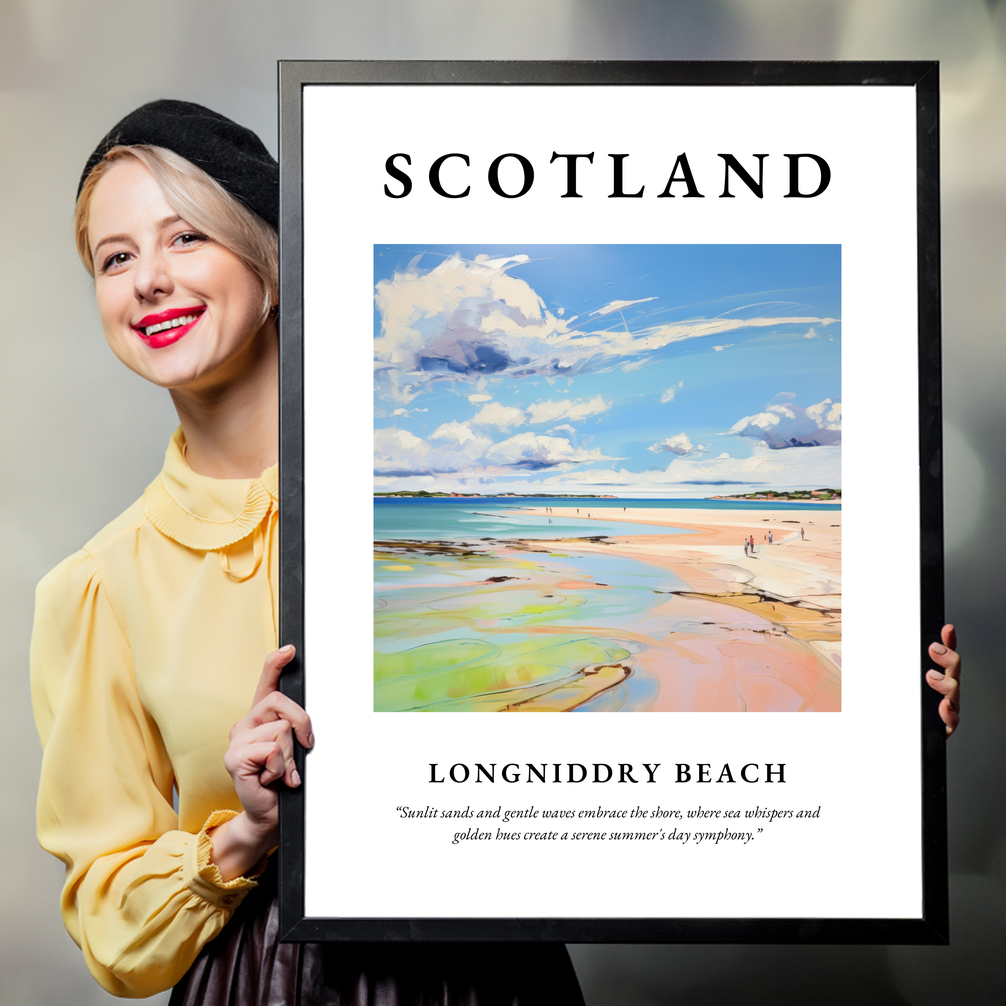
607 478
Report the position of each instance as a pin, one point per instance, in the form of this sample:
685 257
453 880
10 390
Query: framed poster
610 401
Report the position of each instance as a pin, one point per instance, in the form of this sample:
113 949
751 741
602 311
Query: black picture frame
932 926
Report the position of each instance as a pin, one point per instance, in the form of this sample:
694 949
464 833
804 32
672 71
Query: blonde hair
199 200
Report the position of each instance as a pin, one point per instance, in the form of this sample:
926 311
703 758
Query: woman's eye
190 238
114 261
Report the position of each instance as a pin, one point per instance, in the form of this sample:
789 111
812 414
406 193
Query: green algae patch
459 674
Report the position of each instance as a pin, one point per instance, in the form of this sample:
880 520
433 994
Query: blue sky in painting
644 370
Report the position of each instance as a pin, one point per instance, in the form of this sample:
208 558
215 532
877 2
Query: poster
623 373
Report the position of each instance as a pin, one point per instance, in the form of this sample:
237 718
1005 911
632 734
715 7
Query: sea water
443 519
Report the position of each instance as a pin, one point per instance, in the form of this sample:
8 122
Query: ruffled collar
203 513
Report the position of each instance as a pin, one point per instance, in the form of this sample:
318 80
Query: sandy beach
776 611
711 559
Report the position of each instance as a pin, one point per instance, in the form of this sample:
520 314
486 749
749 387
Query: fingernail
295 777
310 740
936 675
287 649
938 648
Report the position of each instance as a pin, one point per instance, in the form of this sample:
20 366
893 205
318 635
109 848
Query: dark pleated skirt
246 965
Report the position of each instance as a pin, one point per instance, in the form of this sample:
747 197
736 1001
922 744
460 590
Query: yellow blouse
147 647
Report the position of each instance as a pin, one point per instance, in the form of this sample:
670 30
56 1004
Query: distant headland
801 495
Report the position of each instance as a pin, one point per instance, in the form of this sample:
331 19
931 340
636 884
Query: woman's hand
260 753
947 682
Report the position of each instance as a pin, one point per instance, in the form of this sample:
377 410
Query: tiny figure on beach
745 546
801 534
751 543
770 537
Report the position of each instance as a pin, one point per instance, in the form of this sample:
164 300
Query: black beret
230 154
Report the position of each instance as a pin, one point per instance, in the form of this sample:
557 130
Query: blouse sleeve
141 898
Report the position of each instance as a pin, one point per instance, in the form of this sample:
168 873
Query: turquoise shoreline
487 519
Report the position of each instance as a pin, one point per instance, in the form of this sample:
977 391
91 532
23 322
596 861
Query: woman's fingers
947 686
271 671
945 653
270 703
279 736
949 636
277 706
274 766
948 659
949 711
259 760
947 680
261 749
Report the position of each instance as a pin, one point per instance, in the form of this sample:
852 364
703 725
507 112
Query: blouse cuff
202 876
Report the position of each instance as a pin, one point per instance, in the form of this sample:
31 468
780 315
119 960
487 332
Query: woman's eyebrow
109 240
160 225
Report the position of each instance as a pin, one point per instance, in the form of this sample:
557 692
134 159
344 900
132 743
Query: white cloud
381 414
531 450
472 319
456 448
462 436
452 447
719 349
620 305
398 450
811 468
475 399
696 477
784 424
663 335
827 413
562 426
678 444
815 467
633 365
812 334
506 416
549 412
501 416
668 395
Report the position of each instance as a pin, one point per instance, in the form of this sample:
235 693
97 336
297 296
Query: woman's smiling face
177 308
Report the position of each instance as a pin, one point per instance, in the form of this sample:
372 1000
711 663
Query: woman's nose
152 277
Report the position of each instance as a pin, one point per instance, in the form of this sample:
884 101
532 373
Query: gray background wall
82 436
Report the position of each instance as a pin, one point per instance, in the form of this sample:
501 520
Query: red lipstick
166 327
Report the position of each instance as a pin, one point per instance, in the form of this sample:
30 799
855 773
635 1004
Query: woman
149 642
